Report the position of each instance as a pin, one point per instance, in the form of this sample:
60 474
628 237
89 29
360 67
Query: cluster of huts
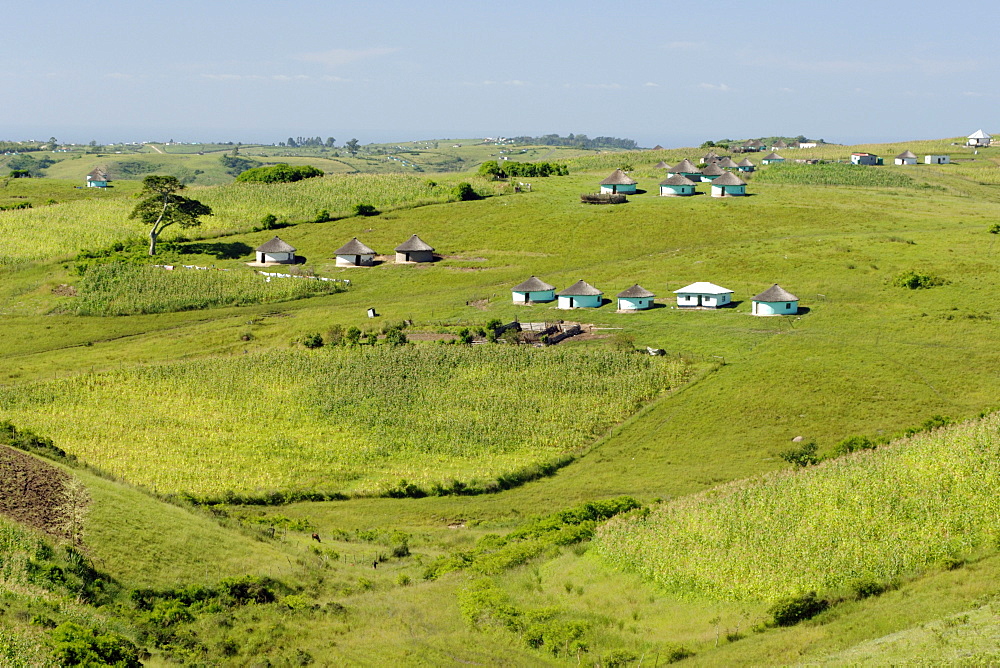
701 295
685 175
352 254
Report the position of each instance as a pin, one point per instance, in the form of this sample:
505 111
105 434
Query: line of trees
296 142
280 173
528 169
579 141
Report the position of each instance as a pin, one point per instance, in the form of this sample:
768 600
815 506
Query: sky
665 72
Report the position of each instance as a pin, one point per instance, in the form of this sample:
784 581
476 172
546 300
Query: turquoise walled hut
745 165
771 159
581 295
712 172
636 298
729 185
775 301
533 291
677 186
686 169
619 182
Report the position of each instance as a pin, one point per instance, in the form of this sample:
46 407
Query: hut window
788 306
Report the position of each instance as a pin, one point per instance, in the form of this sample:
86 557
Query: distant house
275 250
771 158
865 159
636 298
753 145
660 165
97 178
619 182
712 172
580 295
414 249
775 301
710 157
677 185
687 169
779 145
936 160
533 290
745 165
703 295
729 185
907 157
726 163
978 138
355 254
657 148
808 144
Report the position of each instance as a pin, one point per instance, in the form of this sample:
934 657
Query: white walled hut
937 159
355 254
775 301
772 159
703 295
745 165
414 249
619 182
687 169
636 298
907 157
533 291
729 185
275 250
677 186
580 295
978 138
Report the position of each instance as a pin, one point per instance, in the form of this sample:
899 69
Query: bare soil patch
64 290
33 492
430 336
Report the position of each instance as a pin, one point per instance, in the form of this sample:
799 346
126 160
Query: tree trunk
153 235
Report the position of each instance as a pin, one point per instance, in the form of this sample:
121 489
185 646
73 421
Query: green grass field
862 357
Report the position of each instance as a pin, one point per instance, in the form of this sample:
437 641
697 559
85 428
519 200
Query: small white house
619 182
978 138
907 157
533 291
808 144
729 185
414 249
355 254
677 186
703 295
775 301
580 295
936 160
277 251
636 298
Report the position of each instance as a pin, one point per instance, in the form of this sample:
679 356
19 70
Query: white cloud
972 93
722 88
785 90
650 84
338 57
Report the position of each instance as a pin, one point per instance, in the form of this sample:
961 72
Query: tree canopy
162 207
280 173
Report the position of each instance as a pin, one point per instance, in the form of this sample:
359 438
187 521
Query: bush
280 173
314 340
914 281
76 645
365 210
804 455
794 609
853 444
463 192
866 588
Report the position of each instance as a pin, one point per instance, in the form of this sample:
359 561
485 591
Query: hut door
699 300
527 297
572 302
357 259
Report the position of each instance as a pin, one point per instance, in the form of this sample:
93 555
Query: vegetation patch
280 173
873 517
345 419
833 174
122 288
917 281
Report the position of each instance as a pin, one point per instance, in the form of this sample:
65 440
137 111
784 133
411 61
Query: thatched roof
729 179
635 292
703 287
275 245
412 245
726 163
619 178
745 162
773 156
533 284
660 165
779 144
354 247
657 148
754 143
713 170
776 293
685 166
581 289
677 180
97 174
907 154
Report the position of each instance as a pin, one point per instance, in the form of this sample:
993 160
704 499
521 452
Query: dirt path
154 147
33 492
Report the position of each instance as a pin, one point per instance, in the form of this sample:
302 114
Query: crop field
833 174
129 289
352 420
930 497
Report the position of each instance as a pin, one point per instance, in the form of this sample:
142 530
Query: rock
798 439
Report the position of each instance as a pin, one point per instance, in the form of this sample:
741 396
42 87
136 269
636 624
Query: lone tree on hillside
352 147
161 207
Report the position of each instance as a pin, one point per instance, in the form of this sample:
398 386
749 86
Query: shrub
804 455
313 340
794 609
463 192
365 210
868 587
280 173
914 281
853 444
77 645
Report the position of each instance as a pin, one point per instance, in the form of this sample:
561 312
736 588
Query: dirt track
33 492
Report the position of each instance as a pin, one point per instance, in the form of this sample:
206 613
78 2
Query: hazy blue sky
663 72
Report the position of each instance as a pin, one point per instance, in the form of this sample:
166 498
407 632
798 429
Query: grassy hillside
864 356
